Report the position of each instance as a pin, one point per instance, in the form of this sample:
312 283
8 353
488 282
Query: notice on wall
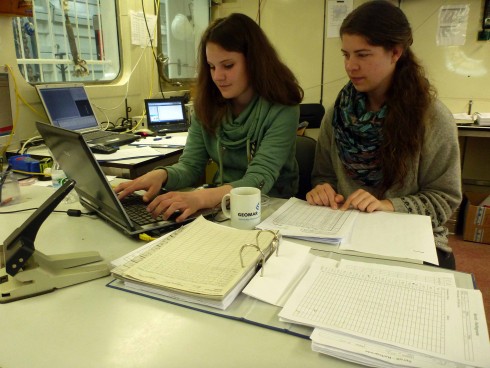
337 11
142 26
453 22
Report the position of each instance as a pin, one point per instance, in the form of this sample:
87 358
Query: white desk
130 168
474 131
91 325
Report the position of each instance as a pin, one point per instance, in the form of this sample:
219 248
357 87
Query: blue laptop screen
68 107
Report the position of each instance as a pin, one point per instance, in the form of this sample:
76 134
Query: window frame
109 38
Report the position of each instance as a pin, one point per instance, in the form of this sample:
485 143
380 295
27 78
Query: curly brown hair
410 94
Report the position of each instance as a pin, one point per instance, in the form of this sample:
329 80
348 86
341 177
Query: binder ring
260 250
274 244
275 241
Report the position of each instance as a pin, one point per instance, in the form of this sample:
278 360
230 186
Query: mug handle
225 210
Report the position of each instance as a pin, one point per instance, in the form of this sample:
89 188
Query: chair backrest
312 113
305 155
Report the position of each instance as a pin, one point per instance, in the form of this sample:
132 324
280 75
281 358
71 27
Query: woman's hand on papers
325 195
151 182
364 201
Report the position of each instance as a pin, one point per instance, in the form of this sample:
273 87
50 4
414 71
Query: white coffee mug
244 209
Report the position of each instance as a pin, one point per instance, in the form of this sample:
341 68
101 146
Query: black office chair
305 155
312 113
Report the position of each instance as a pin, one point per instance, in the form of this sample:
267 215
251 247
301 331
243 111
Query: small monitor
68 106
166 115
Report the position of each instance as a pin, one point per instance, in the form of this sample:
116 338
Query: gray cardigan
433 188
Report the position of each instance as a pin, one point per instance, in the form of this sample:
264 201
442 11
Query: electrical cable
70 212
31 173
23 148
160 73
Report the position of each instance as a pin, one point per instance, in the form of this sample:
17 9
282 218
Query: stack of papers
388 235
483 119
298 219
464 119
387 316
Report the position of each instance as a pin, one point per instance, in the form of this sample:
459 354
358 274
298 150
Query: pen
159 145
157 139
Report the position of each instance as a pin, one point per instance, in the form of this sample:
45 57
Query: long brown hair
269 77
410 94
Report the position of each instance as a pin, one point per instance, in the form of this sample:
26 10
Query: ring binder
261 259
202 262
274 244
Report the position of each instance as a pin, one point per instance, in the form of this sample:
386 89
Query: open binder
203 263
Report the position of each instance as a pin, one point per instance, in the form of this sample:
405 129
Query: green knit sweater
433 186
255 149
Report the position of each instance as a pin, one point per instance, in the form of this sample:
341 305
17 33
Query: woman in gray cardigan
388 144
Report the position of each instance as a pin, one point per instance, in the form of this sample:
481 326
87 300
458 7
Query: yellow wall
460 73
296 29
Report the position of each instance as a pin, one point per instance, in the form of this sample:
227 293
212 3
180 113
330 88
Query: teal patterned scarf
358 134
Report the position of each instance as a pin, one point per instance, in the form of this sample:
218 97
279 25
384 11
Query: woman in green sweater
387 144
246 117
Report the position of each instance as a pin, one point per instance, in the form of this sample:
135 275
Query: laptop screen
72 153
67 106
165 113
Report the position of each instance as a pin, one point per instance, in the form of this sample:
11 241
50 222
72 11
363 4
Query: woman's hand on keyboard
187 203
151 182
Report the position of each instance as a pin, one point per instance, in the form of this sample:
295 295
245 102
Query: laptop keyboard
136 209
171 128
97 134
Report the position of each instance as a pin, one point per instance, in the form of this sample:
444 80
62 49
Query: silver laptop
96 194
166 115
68 107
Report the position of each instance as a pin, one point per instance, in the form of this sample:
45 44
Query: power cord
70 212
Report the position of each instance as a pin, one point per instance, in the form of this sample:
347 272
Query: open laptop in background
68 107
166 115
96 194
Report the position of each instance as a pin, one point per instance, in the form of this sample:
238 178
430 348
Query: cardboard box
477 218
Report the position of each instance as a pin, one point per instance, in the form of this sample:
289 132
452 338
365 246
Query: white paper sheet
297 218
443 322
281 273
167 141
386 234
140 27
337 11
394 234
453 24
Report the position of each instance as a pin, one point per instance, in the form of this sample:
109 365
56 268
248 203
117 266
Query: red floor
474 258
